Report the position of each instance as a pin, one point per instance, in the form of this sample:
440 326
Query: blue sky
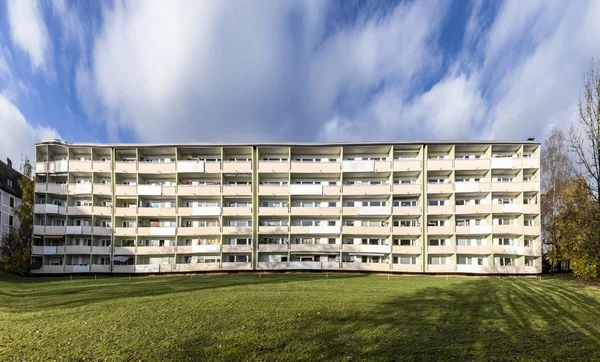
290 70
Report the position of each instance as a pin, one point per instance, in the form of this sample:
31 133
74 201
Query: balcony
530 163
79 210
100 230
157 211
445 249
474 164
150 190
410 189
80 189
156 167
77 268
150 250
156 231
441 268
408 249
366 189
358 166
439 188
49 209
407 210
124 250
41 167
196 267
473 229
237 248
474 209
315 211
47 250
531 209
101 189
125 231
315 167
406 230
532 251
407 165
266 190
531 230
305 265
439 165
471 187
199 211
440 210
463 268
189 190
58 189
506 163
60 166
508 229
508 250
521 269
125 190
80 166
273 167
40 187
126 269
126 211
51 269
306 189
190 166
100 249
97 268
315 247
272 265
126 167
506 186
237 211
79 230
273 229
273 211
383 166
102 210
245 230
77 249
474 250
366 266
55 230
147 268
273 247
375 249
440 230
408 268
237 167
507 208
529 186
102 166
367 230
237 190
236 266
38 229
195 231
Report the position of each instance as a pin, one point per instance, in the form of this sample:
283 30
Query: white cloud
28 31
19 137
216 72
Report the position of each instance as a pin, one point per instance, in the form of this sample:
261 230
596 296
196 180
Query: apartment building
412 207
10 196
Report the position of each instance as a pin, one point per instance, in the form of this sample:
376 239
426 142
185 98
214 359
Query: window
506 262
527 243
404 242
404 260
11 201
437 242
528 262
9 182
10 220
438 260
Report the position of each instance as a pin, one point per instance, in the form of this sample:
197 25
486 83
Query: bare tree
557 170
586 143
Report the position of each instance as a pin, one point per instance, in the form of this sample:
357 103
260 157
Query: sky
272 70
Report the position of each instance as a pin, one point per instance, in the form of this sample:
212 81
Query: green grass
298 317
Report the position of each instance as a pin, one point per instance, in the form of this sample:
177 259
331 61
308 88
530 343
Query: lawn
298 317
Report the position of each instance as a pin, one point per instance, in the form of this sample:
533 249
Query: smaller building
10 195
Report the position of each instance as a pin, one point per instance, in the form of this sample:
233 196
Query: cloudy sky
290 70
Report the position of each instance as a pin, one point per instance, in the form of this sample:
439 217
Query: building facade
10 196
412 207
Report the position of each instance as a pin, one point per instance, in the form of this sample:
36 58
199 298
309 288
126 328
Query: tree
15 248
587 146
556 172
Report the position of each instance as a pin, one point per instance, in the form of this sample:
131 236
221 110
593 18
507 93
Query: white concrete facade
407 207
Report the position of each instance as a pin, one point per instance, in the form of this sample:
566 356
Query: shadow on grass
472 320
36 296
